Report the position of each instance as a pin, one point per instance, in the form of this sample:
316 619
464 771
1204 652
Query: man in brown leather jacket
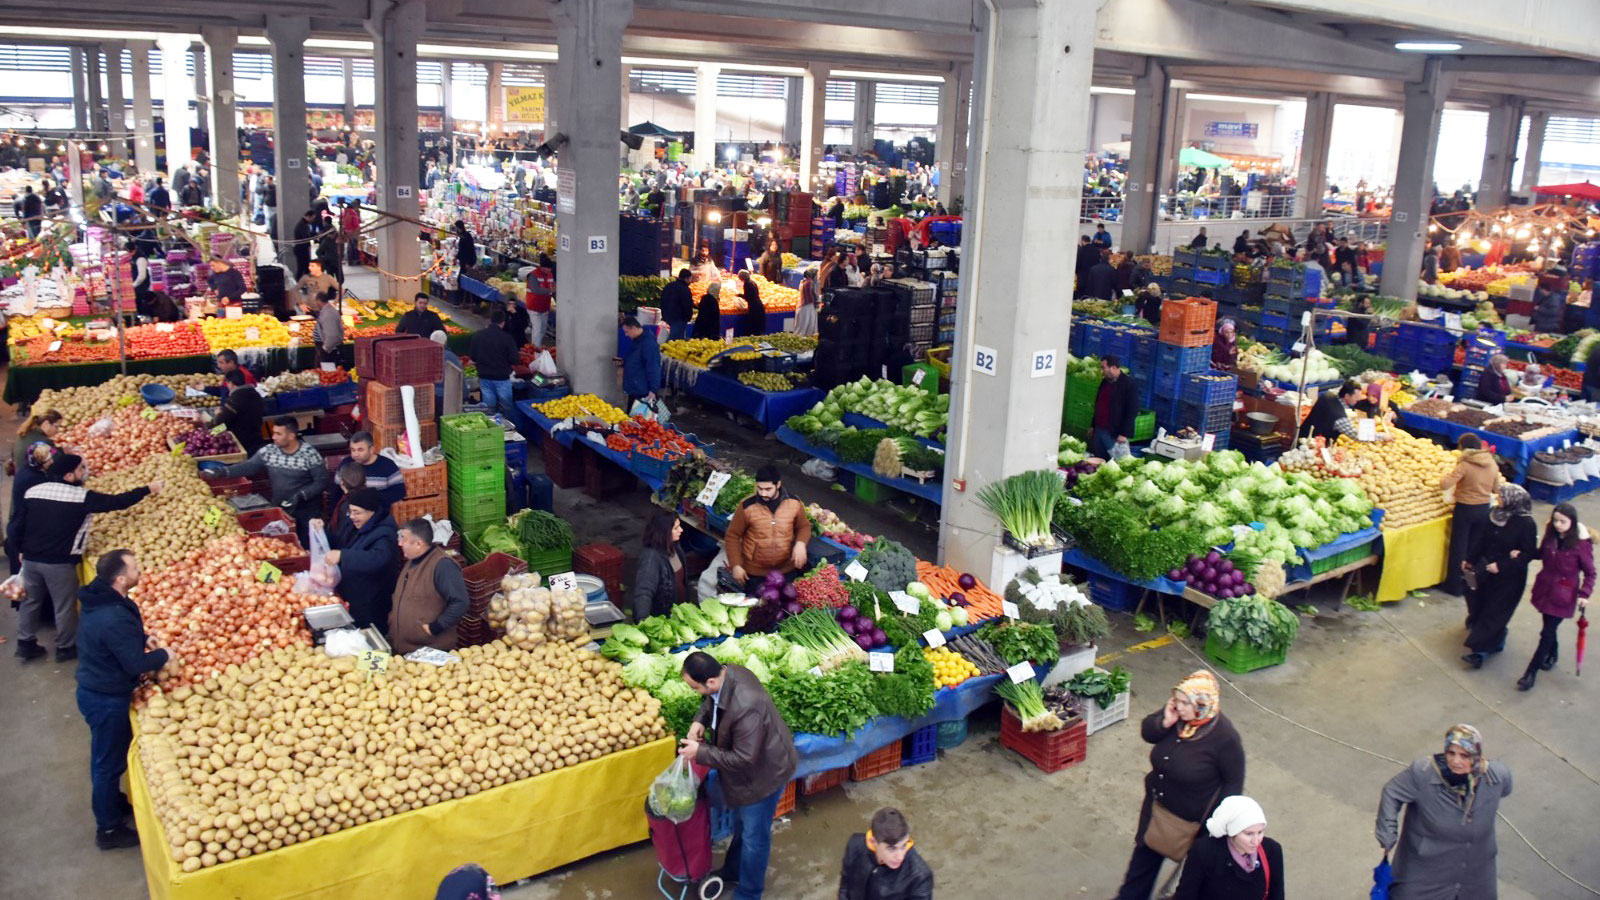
768 532
752 751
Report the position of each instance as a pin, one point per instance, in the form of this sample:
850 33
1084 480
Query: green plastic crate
1144 425
550 562
1083 387
1343 558
1078 419
930 378
471 550
1241 658
469 479
872 491
471 444
472 514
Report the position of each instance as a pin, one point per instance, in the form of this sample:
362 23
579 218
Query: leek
1028 700
1024 504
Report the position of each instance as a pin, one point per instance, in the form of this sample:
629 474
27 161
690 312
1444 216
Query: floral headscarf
40 455
1469 739
1201 689
1514 501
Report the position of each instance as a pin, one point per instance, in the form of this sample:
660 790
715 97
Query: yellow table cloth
513 831
1414 557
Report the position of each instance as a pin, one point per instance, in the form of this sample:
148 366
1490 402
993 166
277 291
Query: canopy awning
1200 159
1584 189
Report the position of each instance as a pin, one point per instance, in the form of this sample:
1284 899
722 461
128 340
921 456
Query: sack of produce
673 793
531 614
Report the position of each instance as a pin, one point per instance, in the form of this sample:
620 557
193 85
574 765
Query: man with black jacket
677 305
495 353
116 654
241 412
881 864
1116 405
420 320
50 531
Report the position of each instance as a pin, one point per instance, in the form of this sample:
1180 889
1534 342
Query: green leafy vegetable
1256 621
1024 503
832 704
1099 685
1018 641
908 691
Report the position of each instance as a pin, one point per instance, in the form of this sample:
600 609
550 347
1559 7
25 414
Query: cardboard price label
905 602
565 581
212 516
855 571
934 637
269 573
1009 610
164 327
252 333
148 413
714 485
373 662
917 376
54 346
1366 430
1207 442
880 662
1020 672
218 429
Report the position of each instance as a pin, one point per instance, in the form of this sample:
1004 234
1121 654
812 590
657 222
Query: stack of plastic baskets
474 451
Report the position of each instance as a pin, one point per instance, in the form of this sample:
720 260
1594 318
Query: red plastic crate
364 351
822 781
294 559
417 361
786 801
425 481
1051 751
1188 322
383 403
603 479
416 507
563 464
483 578
878 762
257 519
604 562
229 487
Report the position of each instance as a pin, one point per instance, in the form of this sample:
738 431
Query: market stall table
1518 451
931 491
770 408
1415 557
819 753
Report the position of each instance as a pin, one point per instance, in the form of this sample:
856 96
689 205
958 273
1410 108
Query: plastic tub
157 394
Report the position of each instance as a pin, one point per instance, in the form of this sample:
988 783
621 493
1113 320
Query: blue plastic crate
921 746
1209 388
1182 271
1172 358
1278 337
1294 276
1113 594
1183 256
1075 339
1166 384
517 454
1274 321
952 734
1144 350
1093 338
309 398
341 393
1215 277
1117 342
540 491
1209 419
1213 262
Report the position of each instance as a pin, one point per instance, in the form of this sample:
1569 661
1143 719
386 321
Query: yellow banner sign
525 105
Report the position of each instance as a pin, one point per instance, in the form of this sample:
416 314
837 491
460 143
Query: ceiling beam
1564 27
1523 65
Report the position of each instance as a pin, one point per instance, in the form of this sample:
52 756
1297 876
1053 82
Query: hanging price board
934 638
880 662
1020 672
269 573
714 485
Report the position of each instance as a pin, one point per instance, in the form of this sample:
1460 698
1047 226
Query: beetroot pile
1213 574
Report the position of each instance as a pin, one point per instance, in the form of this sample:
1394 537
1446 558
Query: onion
775 578
1175 575
878 637
793 608
848 613
788 592
958 598
865 625
1213 558
967 582
864 641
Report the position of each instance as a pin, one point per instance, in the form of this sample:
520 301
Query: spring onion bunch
818 631
1024 504
1028 700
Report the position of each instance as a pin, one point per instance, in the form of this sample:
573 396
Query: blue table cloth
821 754
770 408
480 290
933 491
1519 452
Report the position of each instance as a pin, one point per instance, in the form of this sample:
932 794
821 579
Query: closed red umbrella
1583 639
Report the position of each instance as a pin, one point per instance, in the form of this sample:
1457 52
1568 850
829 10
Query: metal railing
1171 233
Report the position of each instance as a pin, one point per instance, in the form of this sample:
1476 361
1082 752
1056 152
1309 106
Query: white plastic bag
323 576
652 409
545 364
674 792
819 468
1120 450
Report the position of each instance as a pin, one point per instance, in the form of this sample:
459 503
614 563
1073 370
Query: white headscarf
1235 814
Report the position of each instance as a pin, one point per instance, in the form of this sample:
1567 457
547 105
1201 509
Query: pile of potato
163 527
529 614
295 745
1401 476
79 405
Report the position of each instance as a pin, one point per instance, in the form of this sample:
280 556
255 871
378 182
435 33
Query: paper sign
329 367
218 429
905 602
1020 672
269 573
1299 347
148 413
1044 364
1009 610
815 670
212 516
373 662
233 312
164 327
983 360
1566 444
191 392
934 638
1452 321
880 662
917 376
855 571
1127 293
252 333
1327 458
1366 430
294 327
1207 442
714 485
1238 405
565 581
54 346
1305 319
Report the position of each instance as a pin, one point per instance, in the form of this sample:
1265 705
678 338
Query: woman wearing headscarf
1493 385
1234 860
708 316
1563 585
37 457
1446 849
754 320
1500 560
1225 346
1197 759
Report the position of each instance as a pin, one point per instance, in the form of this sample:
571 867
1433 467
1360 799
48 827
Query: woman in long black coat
1234 860
708 315
754 320
1500 558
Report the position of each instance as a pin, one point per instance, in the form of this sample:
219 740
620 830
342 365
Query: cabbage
648 672
758 669
1190 490
1209 514
729 651
1148 492
797 661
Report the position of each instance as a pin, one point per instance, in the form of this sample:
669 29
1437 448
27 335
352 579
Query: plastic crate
416 361
1209 388
604 562
878 762
434 505
920 746
516 451
1188 323
342 393
1051 751
1113 594
563 465
484 440
256 520
952 734
1214 277
483 578
389 435
1118 342
1144 350
470 479
816 783
385 404
1184 256
550 562
1342 558
785 801
1205 418
1095 718
1144 425
722 822
364 351
425 481
1240 658
473 514
1093 338
1176 359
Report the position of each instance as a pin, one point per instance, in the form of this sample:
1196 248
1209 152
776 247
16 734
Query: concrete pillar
1141 196
813 115
866 116
1312 180
1534 150
793 110
202 90
223 124
176 92
1034 62
349 94
496 107
394 54
705 115
287 35
116 102
625 91
80 89
144 132
449 122
955 130
589 54
98 120
1413 182
1499 154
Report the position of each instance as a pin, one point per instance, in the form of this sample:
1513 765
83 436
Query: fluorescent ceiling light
1111 90
1224 98
1427 46
97 34
486 52
884 76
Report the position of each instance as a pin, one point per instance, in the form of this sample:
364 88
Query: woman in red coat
1563 585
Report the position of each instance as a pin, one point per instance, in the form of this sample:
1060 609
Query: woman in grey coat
1447 848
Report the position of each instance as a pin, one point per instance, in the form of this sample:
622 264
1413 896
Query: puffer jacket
1567 574
762 539
751 748
863 879
1475 477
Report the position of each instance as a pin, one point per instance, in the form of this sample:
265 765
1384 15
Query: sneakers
28 651
66 654
118 838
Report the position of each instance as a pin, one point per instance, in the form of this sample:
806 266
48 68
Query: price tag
1452 321
565 581
1207 442
917 376
54 346
1305 319
148 413
1299 347
218 429
212 516
815 670
1366 430
880 662
252 333
373 662
329 367
1009 610
269 573
164 327
294 327
1566 444
934 638
191 392
885 375
1238 405
714 485
855 571
1020 672
1127 293
905 602
1327 458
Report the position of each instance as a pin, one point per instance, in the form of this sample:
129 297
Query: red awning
1583 189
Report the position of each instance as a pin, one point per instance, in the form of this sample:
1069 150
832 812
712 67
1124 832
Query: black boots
1525 683
118 838
1550 661
1475 660
27 650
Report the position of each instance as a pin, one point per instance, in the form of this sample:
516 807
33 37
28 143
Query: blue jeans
1101 440
497 395
752 845
110 734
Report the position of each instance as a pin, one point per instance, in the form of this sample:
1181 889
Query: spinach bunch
836 703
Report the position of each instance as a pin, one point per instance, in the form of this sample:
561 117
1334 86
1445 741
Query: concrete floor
988 821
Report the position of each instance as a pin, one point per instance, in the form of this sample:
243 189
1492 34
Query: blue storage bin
1216 277
540 490
1210 388
921 746
1173 358
1113 594
1210 419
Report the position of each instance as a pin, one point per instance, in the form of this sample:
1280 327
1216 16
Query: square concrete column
1499 154
496 106
1172 143
626 92
1008 374
349 93
394 54
116 102
813 115
80 89
589 60
448 119
176 92
1142 191
223 124
1312 179
705 115
144 132
793 110
866 116
202 92
1413 182
950 146
1534 150
98 120
287 35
